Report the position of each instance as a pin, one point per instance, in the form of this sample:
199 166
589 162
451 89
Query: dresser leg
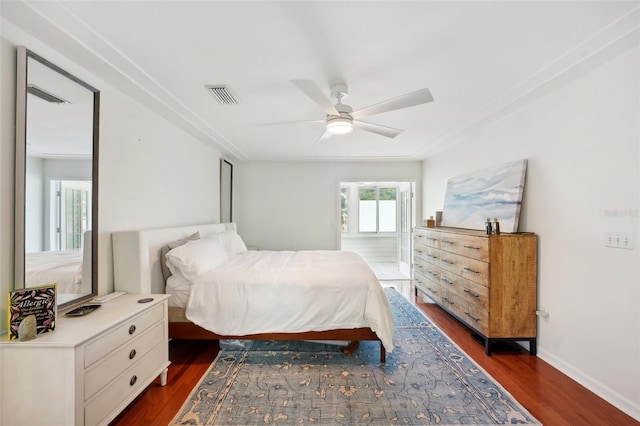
163 377
487 346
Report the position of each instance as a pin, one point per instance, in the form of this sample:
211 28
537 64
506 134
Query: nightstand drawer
131 382
121 359
126 332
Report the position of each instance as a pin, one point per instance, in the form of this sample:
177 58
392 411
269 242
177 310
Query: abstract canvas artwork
495 192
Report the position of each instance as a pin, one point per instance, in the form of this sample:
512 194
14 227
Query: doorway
376 221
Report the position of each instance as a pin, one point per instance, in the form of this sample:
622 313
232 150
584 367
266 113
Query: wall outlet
623 240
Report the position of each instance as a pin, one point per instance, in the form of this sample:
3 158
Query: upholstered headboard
136 255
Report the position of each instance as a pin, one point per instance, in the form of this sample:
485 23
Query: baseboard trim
612 397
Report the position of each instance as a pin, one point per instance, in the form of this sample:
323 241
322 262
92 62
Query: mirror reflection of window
70 213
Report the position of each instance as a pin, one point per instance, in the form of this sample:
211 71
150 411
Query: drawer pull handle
471 293
472 248
132 354
472 317
133 380
431 290
448 242
471 270
419 251
132 329
448 301
448 282
448 262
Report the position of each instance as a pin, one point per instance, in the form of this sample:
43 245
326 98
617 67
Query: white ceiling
479 59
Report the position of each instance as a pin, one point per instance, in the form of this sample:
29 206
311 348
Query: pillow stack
193 257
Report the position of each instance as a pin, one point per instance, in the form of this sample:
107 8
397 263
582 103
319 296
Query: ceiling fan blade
281 123
418 97
389 132
311 89
325 136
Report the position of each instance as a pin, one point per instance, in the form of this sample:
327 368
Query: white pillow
235 243
196 258
231 240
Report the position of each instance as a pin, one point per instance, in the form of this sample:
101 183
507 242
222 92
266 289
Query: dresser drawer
466 245
429 271
127 331
130 383
428 238
428 287
121 359
472 269
465 289
472 315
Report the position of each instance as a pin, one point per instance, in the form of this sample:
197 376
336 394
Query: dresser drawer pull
472 248
419 251
132 329
448 262
448 282
431 290
433 274
448 242
448 301
132 354
432 239
133 380
471 270
471 293
432 256
472 317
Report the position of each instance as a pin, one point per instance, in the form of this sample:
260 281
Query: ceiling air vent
223 95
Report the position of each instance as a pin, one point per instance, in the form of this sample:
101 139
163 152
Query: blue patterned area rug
427 380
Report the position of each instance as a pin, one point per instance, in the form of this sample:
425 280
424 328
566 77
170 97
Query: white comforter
287 291
63 268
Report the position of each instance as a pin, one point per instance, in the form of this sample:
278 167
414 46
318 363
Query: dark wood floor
550 396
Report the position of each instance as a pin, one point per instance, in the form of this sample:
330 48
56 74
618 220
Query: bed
69 270
313 302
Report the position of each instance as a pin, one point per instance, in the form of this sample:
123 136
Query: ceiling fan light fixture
339 126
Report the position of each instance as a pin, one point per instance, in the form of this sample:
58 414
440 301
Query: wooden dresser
89 368
486 281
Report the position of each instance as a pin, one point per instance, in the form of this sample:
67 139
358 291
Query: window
377 209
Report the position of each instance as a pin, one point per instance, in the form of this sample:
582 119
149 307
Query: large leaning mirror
56 196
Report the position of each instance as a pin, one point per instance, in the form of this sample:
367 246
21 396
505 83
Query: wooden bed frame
136 262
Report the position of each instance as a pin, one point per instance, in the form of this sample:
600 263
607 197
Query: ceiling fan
341 119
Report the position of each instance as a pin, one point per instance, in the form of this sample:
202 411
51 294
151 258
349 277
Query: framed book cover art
32 311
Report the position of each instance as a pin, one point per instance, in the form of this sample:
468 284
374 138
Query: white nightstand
89 368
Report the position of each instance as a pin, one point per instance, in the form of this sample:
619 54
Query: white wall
152 174
582 144
294 205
